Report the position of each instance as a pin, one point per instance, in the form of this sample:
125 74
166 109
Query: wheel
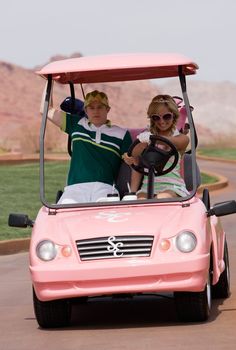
194 306
222 288
52 314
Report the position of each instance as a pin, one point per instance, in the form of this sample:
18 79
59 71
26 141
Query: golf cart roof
119 67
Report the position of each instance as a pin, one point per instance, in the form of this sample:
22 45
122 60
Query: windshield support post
193 134
41 139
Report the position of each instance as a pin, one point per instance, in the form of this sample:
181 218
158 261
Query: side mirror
223 208
19 220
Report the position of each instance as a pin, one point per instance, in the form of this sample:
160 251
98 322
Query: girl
163 114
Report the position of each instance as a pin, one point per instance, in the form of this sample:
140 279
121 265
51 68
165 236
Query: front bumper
116 276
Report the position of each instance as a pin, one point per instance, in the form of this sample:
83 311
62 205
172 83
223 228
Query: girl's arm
180 141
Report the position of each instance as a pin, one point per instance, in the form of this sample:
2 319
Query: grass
219 152
20 192
207 179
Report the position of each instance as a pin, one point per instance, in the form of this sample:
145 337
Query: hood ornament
114 246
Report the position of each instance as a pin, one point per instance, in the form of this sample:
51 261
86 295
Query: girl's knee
142 195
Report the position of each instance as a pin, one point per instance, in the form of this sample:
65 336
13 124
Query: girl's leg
167 194
141 195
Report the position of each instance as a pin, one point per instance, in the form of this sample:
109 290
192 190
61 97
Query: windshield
104 134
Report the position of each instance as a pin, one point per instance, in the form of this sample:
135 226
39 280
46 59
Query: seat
187 172
123 179
124 175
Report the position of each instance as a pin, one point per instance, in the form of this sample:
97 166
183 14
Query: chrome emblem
114 246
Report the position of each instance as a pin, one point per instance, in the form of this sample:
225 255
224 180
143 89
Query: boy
97 146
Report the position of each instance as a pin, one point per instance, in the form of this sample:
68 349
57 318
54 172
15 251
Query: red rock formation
20 96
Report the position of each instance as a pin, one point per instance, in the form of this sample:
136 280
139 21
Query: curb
14 246
221 183
22 245
17 158
215 159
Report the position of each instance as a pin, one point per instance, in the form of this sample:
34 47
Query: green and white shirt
96 151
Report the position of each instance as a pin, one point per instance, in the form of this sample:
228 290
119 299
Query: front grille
114 247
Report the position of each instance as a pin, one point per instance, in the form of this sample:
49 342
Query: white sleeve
176 132
144 136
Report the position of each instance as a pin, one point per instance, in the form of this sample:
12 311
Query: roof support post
193 134
42 136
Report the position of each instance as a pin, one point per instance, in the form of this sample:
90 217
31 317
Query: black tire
222 288
52 314
194 306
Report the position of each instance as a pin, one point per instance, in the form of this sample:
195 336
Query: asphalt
14 246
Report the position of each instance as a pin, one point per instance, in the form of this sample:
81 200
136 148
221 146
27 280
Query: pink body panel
164 270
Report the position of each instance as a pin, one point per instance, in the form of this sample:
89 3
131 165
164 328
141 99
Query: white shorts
85 192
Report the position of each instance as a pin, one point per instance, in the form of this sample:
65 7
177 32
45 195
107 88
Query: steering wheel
154 157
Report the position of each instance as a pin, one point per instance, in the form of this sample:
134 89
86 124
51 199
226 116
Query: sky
32 31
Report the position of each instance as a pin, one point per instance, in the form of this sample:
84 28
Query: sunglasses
166 117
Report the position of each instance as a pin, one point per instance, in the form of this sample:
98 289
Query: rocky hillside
214 106
20 95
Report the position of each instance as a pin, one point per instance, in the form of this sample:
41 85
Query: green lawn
206 179
223 153
20 192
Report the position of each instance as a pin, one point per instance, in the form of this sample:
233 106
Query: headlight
186 241
46 250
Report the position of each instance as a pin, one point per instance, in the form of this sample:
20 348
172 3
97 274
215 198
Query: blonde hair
158 101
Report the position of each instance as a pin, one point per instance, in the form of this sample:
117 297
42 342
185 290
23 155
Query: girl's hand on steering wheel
129 160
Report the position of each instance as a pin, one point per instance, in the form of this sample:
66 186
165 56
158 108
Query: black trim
72 92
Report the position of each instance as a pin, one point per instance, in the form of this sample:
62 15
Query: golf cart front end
112 250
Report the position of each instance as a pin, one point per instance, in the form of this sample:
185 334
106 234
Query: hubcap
208 290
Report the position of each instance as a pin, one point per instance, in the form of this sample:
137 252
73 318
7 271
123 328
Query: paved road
143 323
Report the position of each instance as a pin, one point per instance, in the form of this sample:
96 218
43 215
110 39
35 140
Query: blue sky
204 30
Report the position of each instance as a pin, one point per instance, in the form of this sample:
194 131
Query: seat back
186 172
124 176
123 179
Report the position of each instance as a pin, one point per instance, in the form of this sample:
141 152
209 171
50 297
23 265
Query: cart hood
117 221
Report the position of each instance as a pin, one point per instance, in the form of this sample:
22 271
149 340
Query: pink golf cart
128 246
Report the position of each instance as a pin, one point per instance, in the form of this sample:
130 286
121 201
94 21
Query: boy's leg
101 190
78 193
